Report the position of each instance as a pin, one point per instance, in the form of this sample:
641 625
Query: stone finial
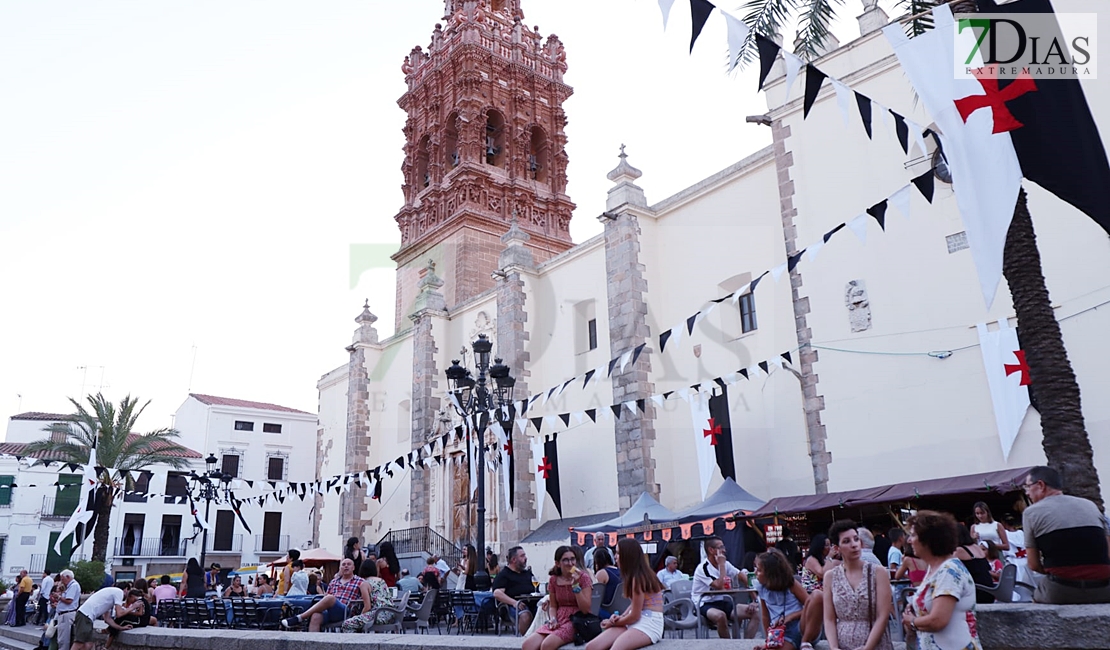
873 18
429 296
429 281
366 332
515 234
516 252
625 190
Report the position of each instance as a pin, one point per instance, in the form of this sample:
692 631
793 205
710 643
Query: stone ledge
1031 626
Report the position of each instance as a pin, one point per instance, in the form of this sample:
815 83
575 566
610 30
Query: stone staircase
20 638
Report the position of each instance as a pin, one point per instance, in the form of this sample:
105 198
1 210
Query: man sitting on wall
344 588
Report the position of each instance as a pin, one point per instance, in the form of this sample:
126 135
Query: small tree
88 573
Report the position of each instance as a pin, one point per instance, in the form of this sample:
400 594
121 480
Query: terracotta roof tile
212 400
45 417
18 449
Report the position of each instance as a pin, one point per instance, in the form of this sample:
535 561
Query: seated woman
570 589
607 575
642 624
264 589
781 598
377 591
236 588
975 559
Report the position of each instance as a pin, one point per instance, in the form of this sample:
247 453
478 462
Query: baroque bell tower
484 143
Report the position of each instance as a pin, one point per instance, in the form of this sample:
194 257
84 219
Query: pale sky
185 179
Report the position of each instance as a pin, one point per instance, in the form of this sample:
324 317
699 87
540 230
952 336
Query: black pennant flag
763 365
902 130
690 323
814 79
751 287
663 340
589 376
551 473
641 404
879 212
827 236
565 417
786 355
616 409
537 422
613 364
592 414
793 260
924 184
768 50
864 104
1057 142
636 353
743 371
699 13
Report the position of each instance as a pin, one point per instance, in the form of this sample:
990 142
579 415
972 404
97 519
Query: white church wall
390 387
331 452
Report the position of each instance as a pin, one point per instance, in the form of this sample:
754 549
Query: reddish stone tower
484 142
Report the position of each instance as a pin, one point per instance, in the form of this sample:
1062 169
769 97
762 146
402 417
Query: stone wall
425 405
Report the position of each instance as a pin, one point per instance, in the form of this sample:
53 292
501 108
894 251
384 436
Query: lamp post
209 491
477 397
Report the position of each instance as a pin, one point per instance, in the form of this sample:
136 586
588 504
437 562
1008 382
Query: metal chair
466 609
441 611
219 614
419 617
680 615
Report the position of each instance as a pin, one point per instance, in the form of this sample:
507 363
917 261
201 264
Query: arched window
423 175
538 157
451 143
495 153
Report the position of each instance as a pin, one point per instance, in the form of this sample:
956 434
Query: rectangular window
170 540
747 313
230 465
54 561
271 428
271 532
275 468
6 490
140 484
176 486
244 426
224 534
591 328
68 495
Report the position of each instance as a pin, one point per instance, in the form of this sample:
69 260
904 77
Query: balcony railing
52 509
148 547
38 564
271 543
226 545
423 540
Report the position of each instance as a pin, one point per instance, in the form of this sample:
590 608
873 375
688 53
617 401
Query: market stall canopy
313 557
728 499
246 571
1001 481
645 507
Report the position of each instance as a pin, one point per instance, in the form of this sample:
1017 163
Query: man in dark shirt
515 581
1067 539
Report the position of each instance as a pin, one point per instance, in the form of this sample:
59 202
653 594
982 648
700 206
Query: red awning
1001 481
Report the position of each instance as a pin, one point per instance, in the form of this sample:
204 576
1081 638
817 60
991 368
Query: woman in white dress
986 529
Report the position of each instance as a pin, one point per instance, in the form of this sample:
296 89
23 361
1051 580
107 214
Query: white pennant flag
737 34
707 458
901 201
658 399
858 224
541 482
665 7
777 271
986 175
813 249
844 97
1008 379
626 358
793 66
917 131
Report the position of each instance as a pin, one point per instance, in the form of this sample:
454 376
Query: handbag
776 632
884 641
586 627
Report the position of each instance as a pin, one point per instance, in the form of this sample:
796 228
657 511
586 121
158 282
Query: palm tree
1064 435
117 448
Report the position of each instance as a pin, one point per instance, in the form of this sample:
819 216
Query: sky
181 183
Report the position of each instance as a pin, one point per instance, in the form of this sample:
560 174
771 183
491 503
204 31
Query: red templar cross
1021 367
545 468
508 447
712 432
996 99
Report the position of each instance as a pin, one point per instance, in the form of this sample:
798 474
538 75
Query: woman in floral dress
856 615
942 611
379 597
569 588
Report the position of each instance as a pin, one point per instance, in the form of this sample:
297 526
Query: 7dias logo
1037 46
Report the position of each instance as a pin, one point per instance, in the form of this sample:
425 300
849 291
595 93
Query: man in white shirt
441 565
588 557
711 576
107 604
670 573
68 603
45 587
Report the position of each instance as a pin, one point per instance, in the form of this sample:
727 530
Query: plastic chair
680 615
703 623
681 589
419 617
1003 592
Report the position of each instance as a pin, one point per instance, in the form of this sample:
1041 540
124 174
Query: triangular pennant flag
616 408
793 260
858 224
668 394
743 371
626 359
879 212
665 7
641 404
699 13
786 356
864 104
690 323
814 79
764 367
737 35
752 285
924 184
827 236
917 131
551 393
902 130
637 351
793 66
565 384
551 421
565 417
613 364
538 423
768 51
901 200
589 376
663 340
843 99
777 271
592 414
813 249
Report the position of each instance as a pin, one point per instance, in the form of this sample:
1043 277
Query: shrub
89 573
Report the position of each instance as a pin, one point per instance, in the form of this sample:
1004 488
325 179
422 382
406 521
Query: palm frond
813 27
919 24
765 17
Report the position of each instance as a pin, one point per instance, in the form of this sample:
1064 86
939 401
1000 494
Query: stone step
19 638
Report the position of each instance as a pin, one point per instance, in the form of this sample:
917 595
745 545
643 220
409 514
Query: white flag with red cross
1008 379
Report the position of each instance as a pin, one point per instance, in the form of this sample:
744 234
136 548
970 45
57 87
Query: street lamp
475 397
213 486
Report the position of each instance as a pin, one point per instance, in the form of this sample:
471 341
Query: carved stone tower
484 142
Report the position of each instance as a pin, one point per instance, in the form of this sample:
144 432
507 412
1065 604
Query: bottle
728 582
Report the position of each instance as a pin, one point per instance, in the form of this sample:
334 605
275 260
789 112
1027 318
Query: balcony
224 544
38 564
271 543
54 509
148 547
